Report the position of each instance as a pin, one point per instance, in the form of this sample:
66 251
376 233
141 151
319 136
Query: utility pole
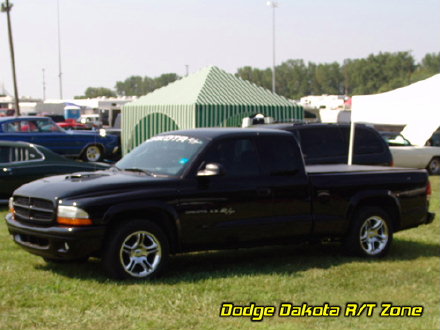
186 69
44 86
59 52
6 8
274 5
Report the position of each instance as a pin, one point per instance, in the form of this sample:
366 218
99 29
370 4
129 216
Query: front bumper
57 242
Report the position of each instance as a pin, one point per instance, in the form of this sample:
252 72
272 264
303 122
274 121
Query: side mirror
212 169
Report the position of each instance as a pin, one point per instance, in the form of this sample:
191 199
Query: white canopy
417 106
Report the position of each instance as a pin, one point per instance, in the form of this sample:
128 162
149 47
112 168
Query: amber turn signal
74 221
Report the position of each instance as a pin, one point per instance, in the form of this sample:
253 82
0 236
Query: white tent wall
417 106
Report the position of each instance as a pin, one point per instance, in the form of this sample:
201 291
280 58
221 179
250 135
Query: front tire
371 233
138 250
92 153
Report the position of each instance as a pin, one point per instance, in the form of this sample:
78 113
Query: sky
105 41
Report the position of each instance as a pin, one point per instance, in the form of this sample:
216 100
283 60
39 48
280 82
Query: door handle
264 192
324 196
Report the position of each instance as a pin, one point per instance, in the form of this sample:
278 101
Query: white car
407 155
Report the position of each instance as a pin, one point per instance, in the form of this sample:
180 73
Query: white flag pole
351 143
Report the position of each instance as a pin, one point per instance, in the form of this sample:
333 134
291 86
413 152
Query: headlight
73 216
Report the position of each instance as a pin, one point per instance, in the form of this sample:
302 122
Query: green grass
35 295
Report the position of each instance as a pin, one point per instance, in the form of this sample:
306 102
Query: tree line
295 78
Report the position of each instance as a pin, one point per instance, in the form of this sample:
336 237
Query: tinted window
323 142
237 156
279 155
367 142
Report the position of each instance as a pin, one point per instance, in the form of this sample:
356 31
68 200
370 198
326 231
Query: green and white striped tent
210 97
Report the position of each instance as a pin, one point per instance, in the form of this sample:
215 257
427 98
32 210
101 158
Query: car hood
90 184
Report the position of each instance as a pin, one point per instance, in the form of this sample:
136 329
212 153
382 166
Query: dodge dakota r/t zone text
210 189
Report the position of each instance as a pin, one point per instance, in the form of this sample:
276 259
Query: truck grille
33 210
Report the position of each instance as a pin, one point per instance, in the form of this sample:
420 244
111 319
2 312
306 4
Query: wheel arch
383 199
98 144
158 213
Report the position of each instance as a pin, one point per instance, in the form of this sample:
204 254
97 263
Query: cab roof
214 133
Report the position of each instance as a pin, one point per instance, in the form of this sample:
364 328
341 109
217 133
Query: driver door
225 209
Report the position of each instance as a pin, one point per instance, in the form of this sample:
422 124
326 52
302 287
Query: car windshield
396 140
162 155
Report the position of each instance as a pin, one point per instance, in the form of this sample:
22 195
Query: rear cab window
238 157
279 155
318 142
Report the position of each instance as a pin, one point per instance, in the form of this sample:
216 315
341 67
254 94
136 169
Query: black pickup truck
210 189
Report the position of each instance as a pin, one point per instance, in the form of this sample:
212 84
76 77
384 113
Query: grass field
35 295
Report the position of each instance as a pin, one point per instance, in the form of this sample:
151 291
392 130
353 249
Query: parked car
328 143
213 188
91 120
73 124
407 155
22 162
90 146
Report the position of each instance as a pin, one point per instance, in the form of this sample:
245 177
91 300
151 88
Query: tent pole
351 144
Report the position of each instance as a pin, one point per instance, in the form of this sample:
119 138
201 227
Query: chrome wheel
140 254
93 153
374 235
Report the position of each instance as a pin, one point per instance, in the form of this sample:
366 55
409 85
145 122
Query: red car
72 124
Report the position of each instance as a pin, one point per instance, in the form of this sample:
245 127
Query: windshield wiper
141 170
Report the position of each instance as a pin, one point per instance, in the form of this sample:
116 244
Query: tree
132 86
429 66
93 92
138 86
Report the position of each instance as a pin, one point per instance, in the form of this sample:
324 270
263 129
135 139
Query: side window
19 154
279 155
238 157
11 127
366 142
46 126
323 142
4 154
33 154
28 126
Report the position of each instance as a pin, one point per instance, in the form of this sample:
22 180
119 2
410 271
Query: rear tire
371 233
138 250
434 166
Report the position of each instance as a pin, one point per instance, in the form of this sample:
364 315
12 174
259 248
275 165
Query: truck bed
342 168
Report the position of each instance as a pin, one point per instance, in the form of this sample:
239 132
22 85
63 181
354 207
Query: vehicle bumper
57 242
429 217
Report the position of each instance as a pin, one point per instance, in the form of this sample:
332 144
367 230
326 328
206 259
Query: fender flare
385 195
144 206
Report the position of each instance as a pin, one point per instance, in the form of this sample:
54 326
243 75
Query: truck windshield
162 155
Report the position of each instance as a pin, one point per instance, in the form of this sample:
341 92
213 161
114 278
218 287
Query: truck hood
89 184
